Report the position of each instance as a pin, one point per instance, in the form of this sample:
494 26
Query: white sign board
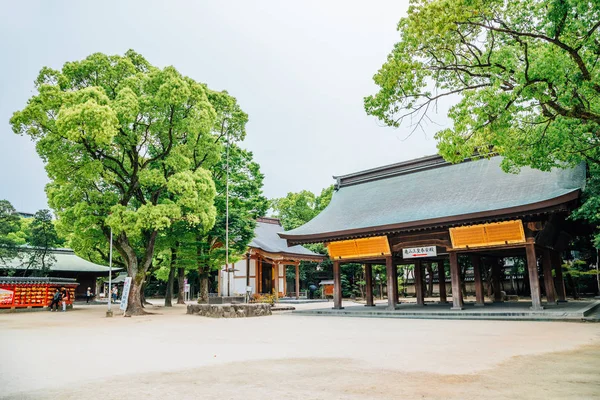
419 252
186 288
125 294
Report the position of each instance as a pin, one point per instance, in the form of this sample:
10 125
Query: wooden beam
419 289
297 267
247 269
476 262
548 279
457 300
418 243
395 287
337 286
391 294
534 281
369 285
276 280
442 281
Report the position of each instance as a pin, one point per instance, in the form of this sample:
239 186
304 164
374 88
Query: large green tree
127 147
523 76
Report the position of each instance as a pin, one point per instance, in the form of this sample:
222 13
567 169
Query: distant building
67 265
263 268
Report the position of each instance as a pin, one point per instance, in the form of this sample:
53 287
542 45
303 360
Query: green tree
127 147
524 74
295 210
41 238
246 204
9 226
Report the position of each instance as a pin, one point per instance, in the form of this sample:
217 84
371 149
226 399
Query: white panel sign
419 252
125 294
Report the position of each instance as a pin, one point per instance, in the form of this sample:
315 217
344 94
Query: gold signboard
359 248
494 234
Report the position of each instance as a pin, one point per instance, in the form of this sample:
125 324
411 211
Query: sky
299 69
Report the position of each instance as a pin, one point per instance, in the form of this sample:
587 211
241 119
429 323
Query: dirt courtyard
82 354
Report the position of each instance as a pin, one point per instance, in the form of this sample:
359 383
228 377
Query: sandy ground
81 354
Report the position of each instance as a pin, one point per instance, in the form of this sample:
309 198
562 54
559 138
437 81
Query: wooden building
66 264
263 267
427 211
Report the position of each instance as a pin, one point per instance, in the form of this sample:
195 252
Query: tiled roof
428 190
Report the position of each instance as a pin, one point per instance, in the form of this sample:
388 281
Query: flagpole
227 219
109 312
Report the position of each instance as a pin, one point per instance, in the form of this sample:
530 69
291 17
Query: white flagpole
109 312
227 220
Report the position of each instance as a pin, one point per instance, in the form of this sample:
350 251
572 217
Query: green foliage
524 73
9 226
127 147
41 239
296 209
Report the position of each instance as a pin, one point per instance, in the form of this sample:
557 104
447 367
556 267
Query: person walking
55 300
64 298
88 294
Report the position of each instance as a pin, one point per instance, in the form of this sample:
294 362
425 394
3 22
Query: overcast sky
299 69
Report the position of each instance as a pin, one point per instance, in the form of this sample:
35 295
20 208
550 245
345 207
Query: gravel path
290 355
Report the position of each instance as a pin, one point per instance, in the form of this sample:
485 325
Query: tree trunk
134 305
169 293
136 270
429 280
181 281
203 295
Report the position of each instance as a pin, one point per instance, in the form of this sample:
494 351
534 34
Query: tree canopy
9 226
525 72
296 209
127 147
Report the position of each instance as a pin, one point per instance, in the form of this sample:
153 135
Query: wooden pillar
534 281
442 281
395 287
548 280
297 281
258 274
391 293
276 281
560 282
247 269
497 278
419 289
337 286
369 285
457 300
476 262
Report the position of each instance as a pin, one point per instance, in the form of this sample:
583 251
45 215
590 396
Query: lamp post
109 312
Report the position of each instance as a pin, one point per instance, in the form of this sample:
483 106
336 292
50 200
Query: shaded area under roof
266 238
427 191
66 261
